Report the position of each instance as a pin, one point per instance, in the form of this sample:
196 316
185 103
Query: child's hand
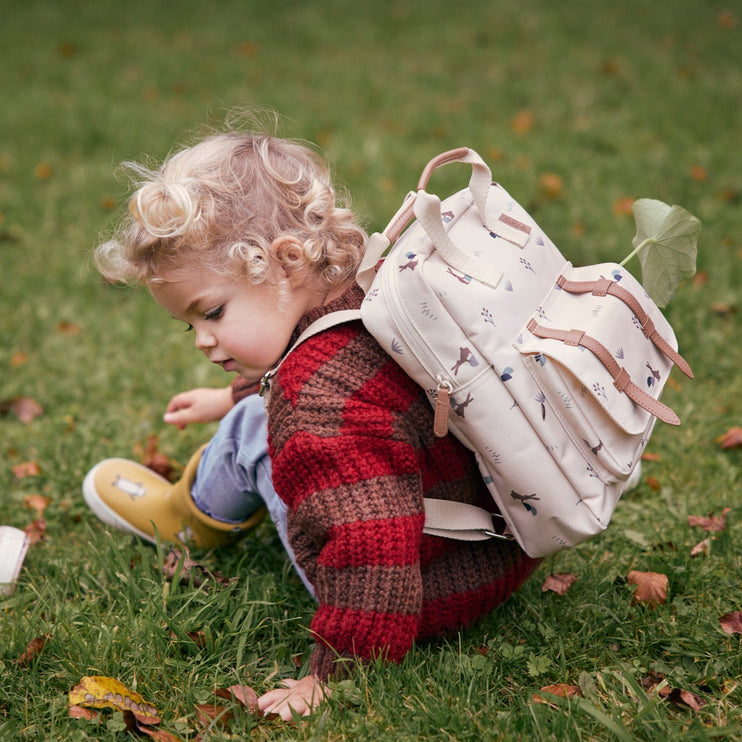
298 697
198 406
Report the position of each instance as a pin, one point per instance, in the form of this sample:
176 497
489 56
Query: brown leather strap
621 377
604 286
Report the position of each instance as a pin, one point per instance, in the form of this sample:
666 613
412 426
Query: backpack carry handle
426 207
481 175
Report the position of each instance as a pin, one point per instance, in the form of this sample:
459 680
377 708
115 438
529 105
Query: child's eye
214 313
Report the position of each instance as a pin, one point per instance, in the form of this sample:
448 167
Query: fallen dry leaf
732 622
682 697
37 503
159 734
18 359
722 309
78 712
522 122
699 173
559 582
711 522
651 587
43 171
731 439
702 547
552 187
99 691
67 328
24 408
623 206
726 20
180 563
35 531
646 456
209 713
701 278
26 469
653 484
33 650
153 459
242 693
654 683
560 689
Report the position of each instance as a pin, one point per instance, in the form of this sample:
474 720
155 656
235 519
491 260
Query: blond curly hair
223 203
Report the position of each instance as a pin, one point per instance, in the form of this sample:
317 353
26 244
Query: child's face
238 326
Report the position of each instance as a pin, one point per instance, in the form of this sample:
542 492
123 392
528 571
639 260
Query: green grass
627 98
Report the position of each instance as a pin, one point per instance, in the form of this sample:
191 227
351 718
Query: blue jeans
234 474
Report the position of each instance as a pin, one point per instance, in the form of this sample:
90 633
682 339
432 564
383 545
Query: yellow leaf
98 691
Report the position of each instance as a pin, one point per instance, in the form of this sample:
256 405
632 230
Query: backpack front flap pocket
600 352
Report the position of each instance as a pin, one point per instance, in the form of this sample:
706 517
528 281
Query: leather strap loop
621 378
604 286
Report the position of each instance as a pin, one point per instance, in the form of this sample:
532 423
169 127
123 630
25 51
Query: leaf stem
637 250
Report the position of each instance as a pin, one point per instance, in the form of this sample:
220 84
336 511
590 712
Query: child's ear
289 253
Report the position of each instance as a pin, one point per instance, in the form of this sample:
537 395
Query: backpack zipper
430 363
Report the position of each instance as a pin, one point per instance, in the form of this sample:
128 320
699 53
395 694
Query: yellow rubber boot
131 497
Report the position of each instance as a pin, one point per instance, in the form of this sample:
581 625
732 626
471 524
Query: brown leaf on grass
646 456
623 206
732 622
560 689
98 691
651 587
522 122
37 503
701 278
35 531
726 20
244 694
158 734
24 408
18 359
552 186
79 712
731 439
43 171
67 328
713 523
26 469
559 582
699 173
653 682
722 309
610 67
209 714
180 564
682 697
653 484
702 547
33 650
153 459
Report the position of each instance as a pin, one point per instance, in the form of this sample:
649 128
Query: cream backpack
551 374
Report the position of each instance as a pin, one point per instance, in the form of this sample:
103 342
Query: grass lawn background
609 101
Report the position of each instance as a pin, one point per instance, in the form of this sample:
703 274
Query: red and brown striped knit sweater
353 455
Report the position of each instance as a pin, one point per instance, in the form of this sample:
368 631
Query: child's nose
204 339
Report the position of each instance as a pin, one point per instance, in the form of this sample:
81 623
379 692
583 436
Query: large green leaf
666 245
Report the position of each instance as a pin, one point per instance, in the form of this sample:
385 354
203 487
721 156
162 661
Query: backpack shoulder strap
319 325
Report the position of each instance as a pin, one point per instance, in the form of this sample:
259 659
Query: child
241 238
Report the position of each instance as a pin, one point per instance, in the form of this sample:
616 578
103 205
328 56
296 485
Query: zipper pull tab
442 408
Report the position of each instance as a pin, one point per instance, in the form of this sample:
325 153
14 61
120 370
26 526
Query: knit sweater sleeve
345 462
